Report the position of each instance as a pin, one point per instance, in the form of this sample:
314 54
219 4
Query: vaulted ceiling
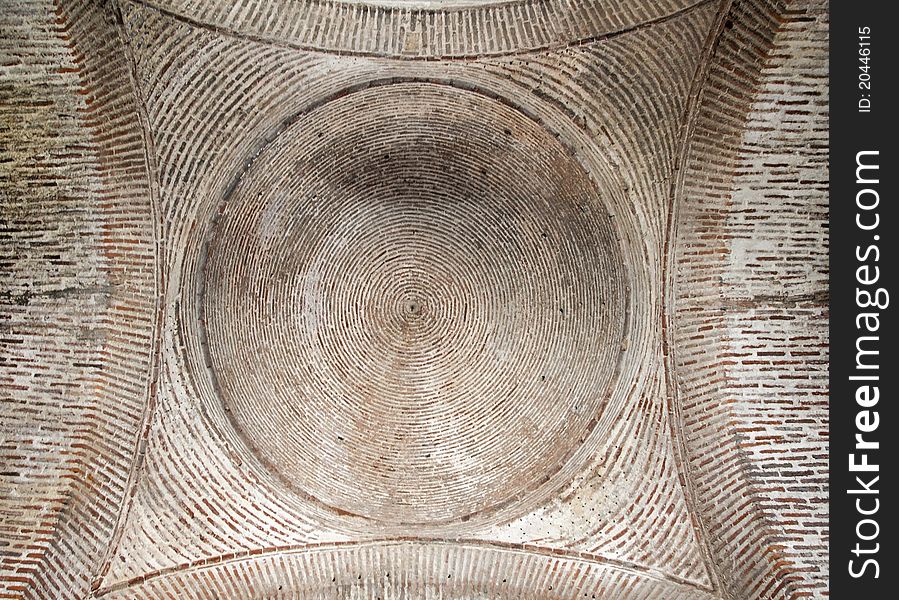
413 299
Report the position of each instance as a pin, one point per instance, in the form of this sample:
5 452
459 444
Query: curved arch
731 336
410 566
91 312
417 33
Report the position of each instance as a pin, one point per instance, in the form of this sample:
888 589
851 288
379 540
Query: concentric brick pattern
414 304
198 477
413 299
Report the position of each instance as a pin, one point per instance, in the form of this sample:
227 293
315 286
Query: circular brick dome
413 302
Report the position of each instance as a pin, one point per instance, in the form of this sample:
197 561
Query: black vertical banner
864 427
